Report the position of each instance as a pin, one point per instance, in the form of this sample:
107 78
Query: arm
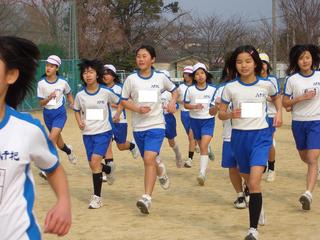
172 104
277 122
81 124
134 108
45 101
193 106
58 219
224 115
116 117
287 102
70 99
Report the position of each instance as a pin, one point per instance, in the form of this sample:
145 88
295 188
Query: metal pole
274 37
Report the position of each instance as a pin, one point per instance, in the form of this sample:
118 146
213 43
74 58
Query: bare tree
9 18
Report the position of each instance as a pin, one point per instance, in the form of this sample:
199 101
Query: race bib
94 114
148 96
251 110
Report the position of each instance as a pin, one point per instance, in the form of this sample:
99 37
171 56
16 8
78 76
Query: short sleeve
40 93
43 152
76 104
226 95
272 89
288 91
216 95
187 97
126 89
113 97
168 84
67 88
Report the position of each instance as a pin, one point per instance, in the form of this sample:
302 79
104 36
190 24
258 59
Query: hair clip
251 52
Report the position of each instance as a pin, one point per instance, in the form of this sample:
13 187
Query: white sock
176 150
309 194
240 194
147 196
204 159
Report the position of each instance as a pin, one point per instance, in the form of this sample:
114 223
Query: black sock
271 165
106 160
132 146
106 169
66 149
97 183
191 154
255 205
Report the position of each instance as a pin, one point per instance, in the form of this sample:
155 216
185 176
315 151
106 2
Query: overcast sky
248 9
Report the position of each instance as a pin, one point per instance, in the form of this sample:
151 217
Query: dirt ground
186 211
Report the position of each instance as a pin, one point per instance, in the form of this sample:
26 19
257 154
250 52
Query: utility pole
274 36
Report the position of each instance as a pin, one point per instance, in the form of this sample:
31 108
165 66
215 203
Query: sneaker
252 234
246 193
135 152
197 148
179 162
262 218
305 200
271 176
164 179
110 178
104 177
72 157
144 204
201 179
43 175
188 163
95 202
210 153
240 203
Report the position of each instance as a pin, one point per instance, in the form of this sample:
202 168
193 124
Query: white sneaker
144 204
240 203
271 176
164 179
135 152
104 177
201 179
179 162
188 163
306 200
95 202
197 148
246 193
43 175
210 153
252 234
110 178
262 218
72 157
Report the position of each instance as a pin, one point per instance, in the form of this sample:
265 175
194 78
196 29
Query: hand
309 95
198 106
171 107
277 120
236 113
269 99
81 125
289 109
58 219
52 95
218 100
144 109
213 110
116 118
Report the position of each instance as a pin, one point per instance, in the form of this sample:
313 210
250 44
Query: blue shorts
251 148
55 118
120 132
149 140
228 159
185 119
201 127
306 134
171 126
97 144
271 127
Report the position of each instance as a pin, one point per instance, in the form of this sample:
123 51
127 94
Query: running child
23 140
301 95
141 94
197 99
119 124
51 91
250 138
92 115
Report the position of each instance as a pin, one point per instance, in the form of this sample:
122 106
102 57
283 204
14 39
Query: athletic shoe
164 179
246 193
305 200
271 175
210 153
262 217
144 204
240 203
188 163
252 234
110 178
197 148
201 179
135 152
95 202
104 177
43 175
72 157
179 162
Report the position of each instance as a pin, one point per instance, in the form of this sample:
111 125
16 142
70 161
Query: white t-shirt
271 107
194 95
251 99
94 109
296 85
182 91
117 88
22 140
227 126
146 92
60 87
165 99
